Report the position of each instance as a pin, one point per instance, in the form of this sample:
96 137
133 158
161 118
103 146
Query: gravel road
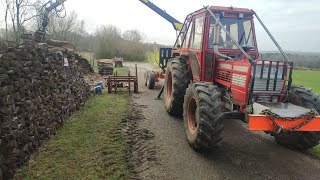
241 154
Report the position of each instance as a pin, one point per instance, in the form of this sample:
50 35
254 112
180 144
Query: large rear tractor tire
202 115
176 82
301 140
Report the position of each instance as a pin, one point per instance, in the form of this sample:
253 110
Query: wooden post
109 85
136 79
115 85
129 85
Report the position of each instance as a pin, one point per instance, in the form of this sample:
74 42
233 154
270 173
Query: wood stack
105 66
118 62
84 64
3 47
37 95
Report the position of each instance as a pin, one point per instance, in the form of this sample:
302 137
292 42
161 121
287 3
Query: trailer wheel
301 140
151 80
176 82
202 115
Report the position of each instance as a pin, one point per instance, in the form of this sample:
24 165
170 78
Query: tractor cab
239 23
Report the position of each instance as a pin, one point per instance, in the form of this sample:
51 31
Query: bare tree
21 11
69 28
107 41
27 11
6 4
132 35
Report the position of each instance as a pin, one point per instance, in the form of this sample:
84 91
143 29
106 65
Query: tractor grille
239 80
270 76
224 75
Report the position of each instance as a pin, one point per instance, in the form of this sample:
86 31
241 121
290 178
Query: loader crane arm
40 34
177 25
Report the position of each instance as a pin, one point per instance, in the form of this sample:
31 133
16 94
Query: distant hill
294 53
307 60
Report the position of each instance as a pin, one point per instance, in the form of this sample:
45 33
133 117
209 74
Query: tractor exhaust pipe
216 39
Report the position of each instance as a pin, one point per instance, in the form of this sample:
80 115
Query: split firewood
37 95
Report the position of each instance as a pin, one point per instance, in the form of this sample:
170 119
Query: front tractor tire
301 140
202 116
176 82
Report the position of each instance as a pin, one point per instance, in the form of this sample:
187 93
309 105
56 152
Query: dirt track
241 154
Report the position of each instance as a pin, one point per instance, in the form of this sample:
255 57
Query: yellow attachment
178 26
154 58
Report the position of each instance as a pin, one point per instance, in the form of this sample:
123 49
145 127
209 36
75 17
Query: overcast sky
294 23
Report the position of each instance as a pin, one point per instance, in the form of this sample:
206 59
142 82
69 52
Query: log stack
37 95
105 67
84 64
118 62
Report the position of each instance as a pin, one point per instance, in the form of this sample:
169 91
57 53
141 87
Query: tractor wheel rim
191 116
169 86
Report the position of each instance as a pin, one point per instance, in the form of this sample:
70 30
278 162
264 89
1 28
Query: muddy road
240 155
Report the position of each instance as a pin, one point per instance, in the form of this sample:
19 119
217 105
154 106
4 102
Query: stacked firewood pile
3 46
84 64
118 62
38 92
105 66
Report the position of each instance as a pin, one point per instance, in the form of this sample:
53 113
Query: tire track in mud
141 152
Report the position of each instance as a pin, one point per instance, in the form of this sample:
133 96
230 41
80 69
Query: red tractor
216 73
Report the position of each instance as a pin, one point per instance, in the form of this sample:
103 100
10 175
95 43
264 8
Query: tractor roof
231 9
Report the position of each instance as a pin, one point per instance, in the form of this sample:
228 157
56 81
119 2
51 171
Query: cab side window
196 41
187 38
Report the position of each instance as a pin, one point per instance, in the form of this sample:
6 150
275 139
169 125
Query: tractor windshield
240 29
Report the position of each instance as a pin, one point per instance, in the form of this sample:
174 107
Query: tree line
299 61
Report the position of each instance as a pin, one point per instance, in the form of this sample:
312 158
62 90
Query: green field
307 78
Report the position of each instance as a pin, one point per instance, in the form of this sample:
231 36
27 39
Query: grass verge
122 71
315 151
89 146
307 78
